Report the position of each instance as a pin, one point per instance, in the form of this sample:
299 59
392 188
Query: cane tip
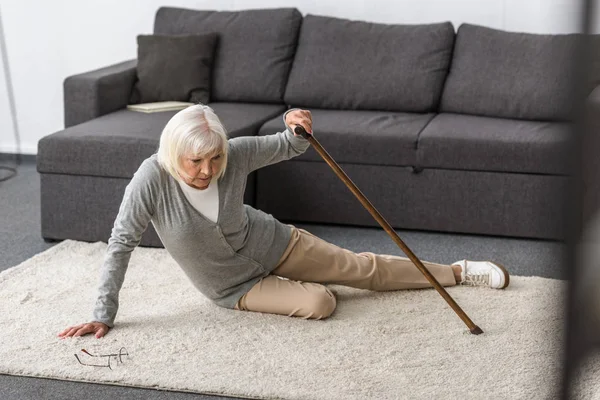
476 330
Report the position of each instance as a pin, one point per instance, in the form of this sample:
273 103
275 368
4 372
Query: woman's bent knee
321 304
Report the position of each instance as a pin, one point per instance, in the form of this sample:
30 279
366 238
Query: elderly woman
239 257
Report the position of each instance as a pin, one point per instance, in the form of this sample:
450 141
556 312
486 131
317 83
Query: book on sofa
159 106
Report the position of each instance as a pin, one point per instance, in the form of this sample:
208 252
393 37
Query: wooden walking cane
387 227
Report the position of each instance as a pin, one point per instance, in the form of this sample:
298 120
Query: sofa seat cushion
115 144
362 137
355 65
453 141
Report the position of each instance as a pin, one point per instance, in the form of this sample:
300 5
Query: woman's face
201 169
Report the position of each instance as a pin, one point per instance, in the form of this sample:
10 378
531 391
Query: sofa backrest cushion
511 75
254 52
174 68
352 65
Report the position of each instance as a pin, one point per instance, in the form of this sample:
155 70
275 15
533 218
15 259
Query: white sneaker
483 273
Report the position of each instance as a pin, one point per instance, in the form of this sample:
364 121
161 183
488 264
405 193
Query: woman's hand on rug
98 328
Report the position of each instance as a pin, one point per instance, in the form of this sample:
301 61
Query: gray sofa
448 131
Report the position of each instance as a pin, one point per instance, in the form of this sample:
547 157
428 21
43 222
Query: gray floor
20 239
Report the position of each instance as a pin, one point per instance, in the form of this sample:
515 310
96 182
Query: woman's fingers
101 331
63 333
306 124
301 118
306 121
70 330
307 115
86 329
98 328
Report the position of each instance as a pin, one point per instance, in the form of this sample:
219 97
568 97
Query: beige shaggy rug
376 345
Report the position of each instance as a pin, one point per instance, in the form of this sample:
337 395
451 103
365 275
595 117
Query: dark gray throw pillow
174 68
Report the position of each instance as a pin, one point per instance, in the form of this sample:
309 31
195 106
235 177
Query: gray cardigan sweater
223 260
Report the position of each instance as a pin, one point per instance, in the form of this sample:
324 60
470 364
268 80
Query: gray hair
194 130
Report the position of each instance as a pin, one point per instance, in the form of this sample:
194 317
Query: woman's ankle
457 269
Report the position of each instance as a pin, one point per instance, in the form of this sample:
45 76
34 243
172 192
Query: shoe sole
505 272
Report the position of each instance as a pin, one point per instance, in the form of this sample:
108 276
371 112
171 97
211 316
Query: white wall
6 125
50 40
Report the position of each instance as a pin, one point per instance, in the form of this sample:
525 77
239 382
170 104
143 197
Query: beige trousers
295 287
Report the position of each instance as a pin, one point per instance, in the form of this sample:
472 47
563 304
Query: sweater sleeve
259 151
135 212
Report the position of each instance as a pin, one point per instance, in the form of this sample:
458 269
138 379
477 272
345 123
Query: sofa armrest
95 93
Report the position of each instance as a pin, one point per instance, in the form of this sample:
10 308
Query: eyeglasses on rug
118 357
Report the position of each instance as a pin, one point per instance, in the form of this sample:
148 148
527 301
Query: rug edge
5 273
160 388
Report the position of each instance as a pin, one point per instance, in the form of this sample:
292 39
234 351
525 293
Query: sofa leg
48 240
